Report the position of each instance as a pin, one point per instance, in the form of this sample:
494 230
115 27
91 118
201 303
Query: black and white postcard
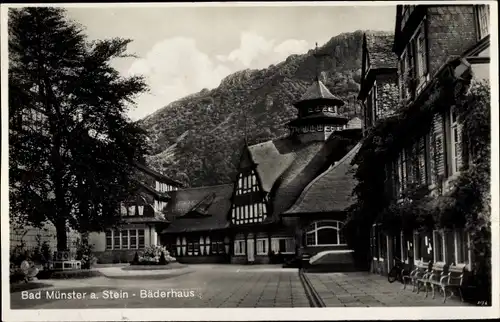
250 161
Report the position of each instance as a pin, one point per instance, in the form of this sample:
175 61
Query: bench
419 270
454 280
438 276
422 276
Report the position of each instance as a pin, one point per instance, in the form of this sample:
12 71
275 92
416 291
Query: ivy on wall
466 203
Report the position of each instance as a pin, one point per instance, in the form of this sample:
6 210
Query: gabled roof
379 47
331 191
162 196
213 203
318 91
157 175
287 166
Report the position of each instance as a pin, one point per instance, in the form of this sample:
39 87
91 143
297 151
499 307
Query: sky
184 49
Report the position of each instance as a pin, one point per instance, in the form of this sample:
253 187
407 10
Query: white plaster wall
98 241
481 71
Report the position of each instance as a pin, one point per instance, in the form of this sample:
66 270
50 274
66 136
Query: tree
72 147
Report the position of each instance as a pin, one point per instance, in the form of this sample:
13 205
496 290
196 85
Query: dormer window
483 20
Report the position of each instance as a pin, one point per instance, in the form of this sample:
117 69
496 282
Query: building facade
143 217
431 43
265 215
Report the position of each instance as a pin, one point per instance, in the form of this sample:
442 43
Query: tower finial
318 56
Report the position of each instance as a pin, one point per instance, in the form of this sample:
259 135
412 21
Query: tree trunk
62 235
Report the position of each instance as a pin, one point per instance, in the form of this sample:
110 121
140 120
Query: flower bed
153 255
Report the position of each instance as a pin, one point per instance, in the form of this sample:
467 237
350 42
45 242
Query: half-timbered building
273 174
198 224
143 217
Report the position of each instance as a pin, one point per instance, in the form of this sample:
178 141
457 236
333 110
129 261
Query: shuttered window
410 173
402 71
422 174
456 142
437 148
404 171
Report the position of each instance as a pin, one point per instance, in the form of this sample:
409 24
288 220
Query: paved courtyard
226 286
212 286
360 289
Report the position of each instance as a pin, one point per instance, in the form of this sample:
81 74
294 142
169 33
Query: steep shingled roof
317 90
331 191
287 166
213 202
379 48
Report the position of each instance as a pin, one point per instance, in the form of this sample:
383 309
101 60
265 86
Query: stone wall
387 95
451 30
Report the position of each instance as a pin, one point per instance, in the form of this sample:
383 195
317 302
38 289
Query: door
251 249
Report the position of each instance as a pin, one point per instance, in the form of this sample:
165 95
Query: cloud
258 52
252 46
176 67
292 46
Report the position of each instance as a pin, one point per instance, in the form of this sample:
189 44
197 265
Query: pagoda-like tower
318 115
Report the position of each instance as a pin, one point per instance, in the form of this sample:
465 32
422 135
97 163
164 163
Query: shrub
84 254
154 255
135 261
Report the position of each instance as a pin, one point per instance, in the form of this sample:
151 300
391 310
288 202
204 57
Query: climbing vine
466 202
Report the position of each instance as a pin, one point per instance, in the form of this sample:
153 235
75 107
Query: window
402 77
414 69
133 238
324 233
404 173
220 247
439 246
407 247
239 247
396 245
141 238
483 20
116 240
196 246
395 178
125 242
283 245
420 167
109 239
461 246
424 247
383 244
455 141
421 55
262 246
123 209
437 157
124 239
217 247
374 242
